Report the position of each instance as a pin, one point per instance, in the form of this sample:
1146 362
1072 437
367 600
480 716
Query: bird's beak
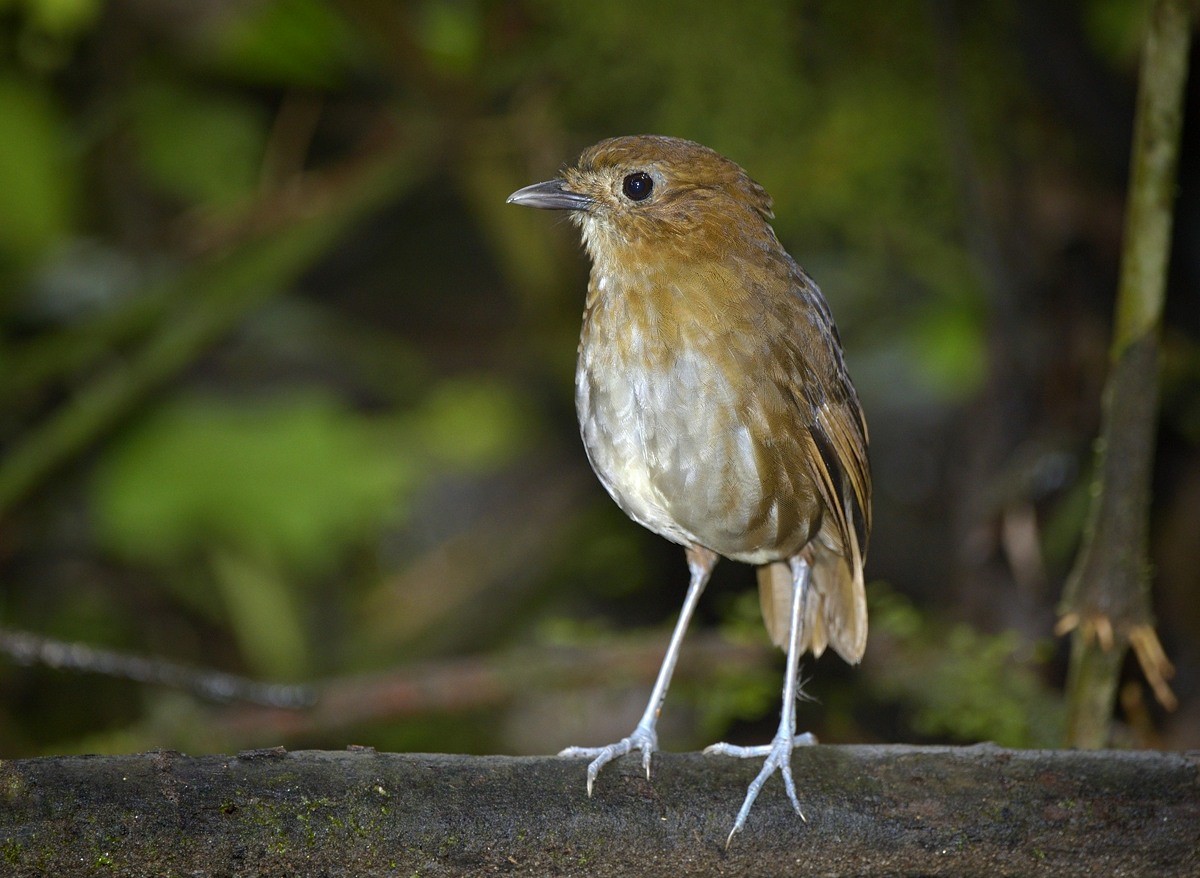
551 195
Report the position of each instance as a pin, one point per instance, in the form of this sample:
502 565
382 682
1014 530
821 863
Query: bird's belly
669 447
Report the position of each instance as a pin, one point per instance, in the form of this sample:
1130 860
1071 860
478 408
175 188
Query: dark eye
638 186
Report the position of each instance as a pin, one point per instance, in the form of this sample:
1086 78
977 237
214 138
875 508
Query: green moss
11 851
12 784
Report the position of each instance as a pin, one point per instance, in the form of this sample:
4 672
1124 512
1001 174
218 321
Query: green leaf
471 423
451 33
949 349
63 17
197 145
1115 28
288 42
38 177
294 481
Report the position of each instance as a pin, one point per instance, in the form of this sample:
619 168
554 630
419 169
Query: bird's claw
778 756
642 738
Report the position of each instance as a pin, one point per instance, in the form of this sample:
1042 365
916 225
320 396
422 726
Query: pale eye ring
637 186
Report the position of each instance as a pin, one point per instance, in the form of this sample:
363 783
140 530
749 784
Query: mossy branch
869 811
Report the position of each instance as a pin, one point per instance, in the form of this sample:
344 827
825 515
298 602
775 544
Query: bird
715 407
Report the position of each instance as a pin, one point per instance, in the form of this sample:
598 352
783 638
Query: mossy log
869 810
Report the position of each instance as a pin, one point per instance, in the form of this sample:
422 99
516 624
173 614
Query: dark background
286 389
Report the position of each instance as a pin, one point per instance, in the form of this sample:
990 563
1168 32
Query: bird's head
655 194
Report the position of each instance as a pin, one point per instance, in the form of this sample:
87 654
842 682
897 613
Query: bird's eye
638 186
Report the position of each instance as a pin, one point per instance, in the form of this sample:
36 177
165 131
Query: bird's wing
835 447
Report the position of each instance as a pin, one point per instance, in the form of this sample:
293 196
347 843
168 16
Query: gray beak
551 195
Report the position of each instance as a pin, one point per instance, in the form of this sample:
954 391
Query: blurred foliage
39 190
293 479
961 684
291 43
285 387
200 146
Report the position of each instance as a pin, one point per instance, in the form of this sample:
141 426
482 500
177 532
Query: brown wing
836 453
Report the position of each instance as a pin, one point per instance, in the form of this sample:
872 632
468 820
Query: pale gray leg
779 751
644 737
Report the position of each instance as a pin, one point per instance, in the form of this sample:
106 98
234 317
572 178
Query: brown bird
715 406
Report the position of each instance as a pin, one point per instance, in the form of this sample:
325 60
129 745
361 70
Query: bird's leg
779 751
700 562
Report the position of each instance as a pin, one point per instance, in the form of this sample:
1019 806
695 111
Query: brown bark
870 811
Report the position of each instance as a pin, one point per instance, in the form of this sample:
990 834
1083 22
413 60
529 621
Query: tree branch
870 811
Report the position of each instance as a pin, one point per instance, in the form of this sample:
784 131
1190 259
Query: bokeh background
286 389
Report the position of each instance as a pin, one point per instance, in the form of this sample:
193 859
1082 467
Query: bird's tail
836 612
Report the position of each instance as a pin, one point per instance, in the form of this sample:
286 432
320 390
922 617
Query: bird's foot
723 749
642 738
779 756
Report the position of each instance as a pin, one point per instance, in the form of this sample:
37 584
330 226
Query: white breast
624 424
649 437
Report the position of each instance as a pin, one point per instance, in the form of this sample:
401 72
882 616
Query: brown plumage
712 397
